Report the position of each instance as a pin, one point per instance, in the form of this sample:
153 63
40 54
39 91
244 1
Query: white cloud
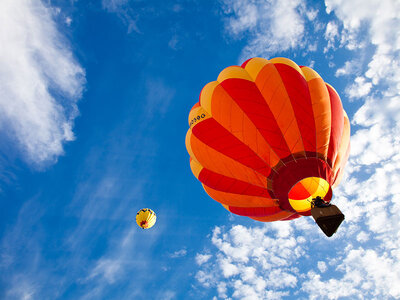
124 12
380 20
331 34
252 263
22 289
351 67
113 5
179 253
106 268
40 81
270 26
202 258
168 295
322 266
360 88
68 21
312 14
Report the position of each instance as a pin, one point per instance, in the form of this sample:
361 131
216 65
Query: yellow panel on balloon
302 193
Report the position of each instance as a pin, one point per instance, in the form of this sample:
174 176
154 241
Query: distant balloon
267 138
146 218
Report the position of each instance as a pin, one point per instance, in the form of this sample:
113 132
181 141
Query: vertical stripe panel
273 90
227 113
299 95
321 108
337 125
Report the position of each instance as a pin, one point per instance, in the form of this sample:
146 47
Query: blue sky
93 115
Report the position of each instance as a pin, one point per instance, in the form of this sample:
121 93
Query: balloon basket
328 218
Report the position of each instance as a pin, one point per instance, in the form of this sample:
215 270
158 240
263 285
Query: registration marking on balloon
197 115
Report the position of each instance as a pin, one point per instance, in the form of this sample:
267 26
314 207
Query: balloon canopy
146 218
267 138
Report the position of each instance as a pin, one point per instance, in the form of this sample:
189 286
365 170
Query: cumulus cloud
202 258
279 265
380 20
331 34
360 88
252 263
40 81
322 266
363 256
351 67
270 26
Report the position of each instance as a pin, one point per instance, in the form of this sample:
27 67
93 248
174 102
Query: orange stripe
211 133
336 126
273 91
297 90
227 113
239 200
343 153
321 108
219 163
195 167
344 144
340 173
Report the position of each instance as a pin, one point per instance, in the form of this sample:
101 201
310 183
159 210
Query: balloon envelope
267 137
146 218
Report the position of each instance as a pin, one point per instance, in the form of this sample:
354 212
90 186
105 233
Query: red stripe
247 96
297 89
230 185
343 164
298 192
214 135
254 211
336 125
245 63
294 216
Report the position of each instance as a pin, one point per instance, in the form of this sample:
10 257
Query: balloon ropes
269 138
146 218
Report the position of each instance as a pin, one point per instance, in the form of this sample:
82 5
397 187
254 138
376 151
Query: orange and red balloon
267 137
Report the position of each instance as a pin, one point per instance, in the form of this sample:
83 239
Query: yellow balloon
146 218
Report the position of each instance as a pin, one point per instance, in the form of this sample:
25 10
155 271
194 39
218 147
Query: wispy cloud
158 96
124 12
40 81
178 253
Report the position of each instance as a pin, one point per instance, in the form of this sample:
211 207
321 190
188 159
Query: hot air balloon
269 140
146 218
